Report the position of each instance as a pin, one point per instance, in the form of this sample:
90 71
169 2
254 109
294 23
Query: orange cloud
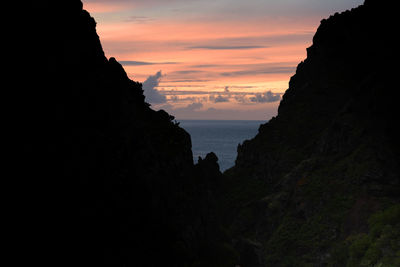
251 56
105 7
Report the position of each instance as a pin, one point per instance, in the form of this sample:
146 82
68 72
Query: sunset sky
211 59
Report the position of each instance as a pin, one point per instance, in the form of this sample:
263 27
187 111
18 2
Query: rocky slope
113 181
319 185
118 179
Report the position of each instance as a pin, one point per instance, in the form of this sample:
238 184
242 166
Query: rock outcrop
320 183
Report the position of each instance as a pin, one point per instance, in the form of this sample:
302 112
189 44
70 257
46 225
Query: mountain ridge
117 178
316 173
318 185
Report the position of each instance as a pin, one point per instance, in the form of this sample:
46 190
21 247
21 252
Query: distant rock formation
321 181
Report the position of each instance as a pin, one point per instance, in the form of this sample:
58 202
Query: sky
211 59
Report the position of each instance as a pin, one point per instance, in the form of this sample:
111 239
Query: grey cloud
254 8
229 43
219 98
165 107
268 70
180 92
186 72
250 42
241 99
266 97
238 70
191 107
271 40
142 63
242 86
105 1
195 111
260 66
139 19
222 47
176 99
150 91
186 81
181 85
205 66
197 92
136 2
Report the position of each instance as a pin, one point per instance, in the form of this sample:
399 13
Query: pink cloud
105 7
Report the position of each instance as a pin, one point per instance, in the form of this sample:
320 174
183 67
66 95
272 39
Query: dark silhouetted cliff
319 185
117 178
104 179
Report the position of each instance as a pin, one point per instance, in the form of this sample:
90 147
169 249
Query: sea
219 136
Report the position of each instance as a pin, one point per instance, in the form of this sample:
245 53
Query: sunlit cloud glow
211 59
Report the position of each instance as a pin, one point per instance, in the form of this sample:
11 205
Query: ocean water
219 136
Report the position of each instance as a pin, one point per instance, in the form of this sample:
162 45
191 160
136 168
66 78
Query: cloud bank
266 97
152 95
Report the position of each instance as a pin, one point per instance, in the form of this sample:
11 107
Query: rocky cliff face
123 172
318 179
318 186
